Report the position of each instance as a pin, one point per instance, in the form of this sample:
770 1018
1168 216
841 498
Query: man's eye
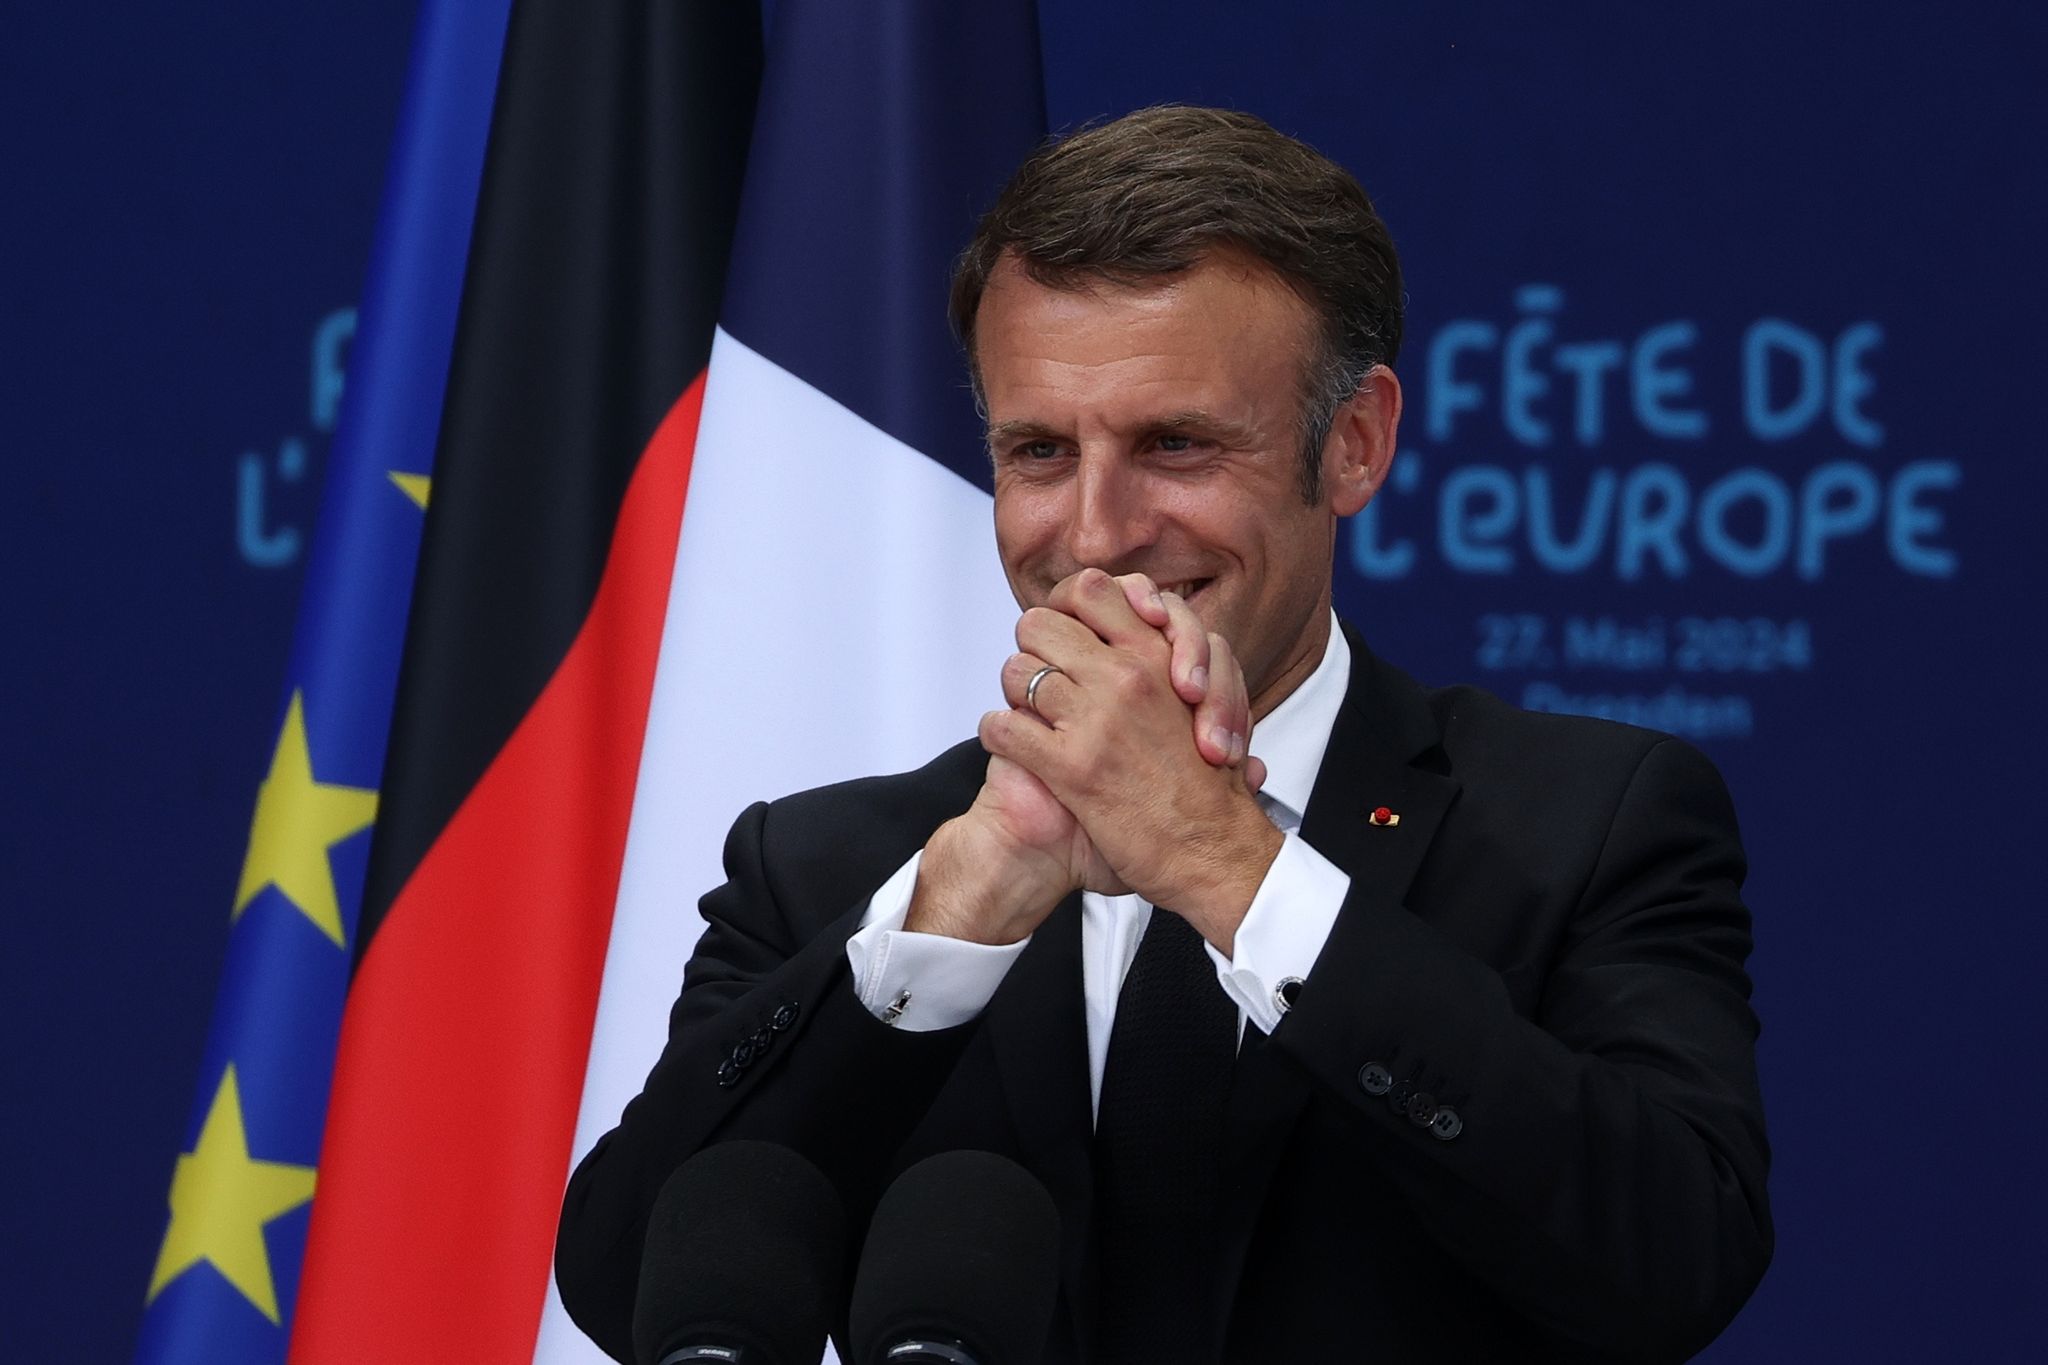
1038 450
1176 445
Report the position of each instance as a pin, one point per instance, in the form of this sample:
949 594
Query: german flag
647 597
602 228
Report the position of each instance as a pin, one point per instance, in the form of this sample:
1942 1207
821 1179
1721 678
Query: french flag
670 568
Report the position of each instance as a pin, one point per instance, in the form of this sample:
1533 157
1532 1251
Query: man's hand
993 874
1110 739
1222 727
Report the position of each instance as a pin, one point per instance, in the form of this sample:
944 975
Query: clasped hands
1128 772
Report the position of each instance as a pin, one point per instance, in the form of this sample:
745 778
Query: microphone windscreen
746 1246
964 1244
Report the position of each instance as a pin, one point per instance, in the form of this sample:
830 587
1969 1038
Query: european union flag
227 1273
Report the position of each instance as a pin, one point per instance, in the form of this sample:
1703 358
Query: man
1405 1026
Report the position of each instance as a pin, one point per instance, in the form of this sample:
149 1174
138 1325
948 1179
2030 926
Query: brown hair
1154 193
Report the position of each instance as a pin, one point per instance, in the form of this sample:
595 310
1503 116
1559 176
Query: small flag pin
1382 816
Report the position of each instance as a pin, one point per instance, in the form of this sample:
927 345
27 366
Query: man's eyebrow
1191 420
1224 429
999 432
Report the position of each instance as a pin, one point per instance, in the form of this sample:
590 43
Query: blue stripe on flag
884 130
227 1274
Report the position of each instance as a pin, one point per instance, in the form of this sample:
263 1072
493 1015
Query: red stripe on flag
468 1024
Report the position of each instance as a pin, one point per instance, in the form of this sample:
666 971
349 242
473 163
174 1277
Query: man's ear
1360 450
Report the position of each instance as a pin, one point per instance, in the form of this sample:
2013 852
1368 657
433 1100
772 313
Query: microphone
745 1261
961 1266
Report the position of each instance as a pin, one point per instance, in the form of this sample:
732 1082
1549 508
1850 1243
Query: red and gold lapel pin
1382 816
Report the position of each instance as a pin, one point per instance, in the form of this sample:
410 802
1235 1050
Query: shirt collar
1292 739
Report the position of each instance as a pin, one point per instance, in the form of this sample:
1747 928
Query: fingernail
1222 739
1200 677
1158 602
1237 748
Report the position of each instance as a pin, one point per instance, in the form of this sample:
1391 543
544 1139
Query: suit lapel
1383 734
1037 1025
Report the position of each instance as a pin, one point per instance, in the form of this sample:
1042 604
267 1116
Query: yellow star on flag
220 1200
414 486
297 820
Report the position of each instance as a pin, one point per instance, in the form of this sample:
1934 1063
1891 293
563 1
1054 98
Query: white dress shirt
949 981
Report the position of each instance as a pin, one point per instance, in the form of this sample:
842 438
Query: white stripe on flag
837 610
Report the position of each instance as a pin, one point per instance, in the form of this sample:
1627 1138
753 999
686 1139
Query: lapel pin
1382 816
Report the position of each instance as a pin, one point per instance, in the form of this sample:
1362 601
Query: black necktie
1158 1152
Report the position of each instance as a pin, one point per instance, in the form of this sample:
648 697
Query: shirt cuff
921 982
1283 932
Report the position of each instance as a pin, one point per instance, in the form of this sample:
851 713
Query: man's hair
1157 192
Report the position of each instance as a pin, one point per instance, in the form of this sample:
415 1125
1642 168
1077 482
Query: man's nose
1111 516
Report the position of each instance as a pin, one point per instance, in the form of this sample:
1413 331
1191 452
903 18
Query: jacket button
784 1017
728 1074
743 1052
762 1037
1422 1107
1397 1098
1375 1079
1446 1124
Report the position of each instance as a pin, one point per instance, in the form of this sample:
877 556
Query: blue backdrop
1719 366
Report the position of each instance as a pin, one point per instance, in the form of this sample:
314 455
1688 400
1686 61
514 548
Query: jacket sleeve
766 1041
1602 1163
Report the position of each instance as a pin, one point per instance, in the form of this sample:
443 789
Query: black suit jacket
1549 946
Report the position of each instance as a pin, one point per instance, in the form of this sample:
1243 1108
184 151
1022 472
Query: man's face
1156 430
